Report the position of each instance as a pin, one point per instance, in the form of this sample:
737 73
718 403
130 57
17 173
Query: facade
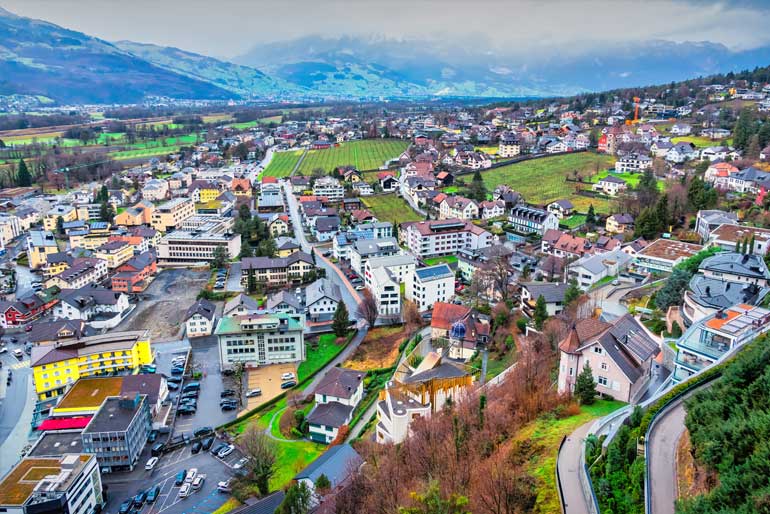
65 212
400 266
552 293
633 163
709 220
619 223
427 286
139 214
115 253
40 244
83 272
462 329
117 433
321 299
171 214
663 254
591 268
530 220
55 367
134 275
92 304
260 339
199 320
193 246
443 237
365 249
458 207
509 146
277 271
329 187
336 396
610 185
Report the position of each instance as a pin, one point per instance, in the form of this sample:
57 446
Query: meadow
368 154
390 208
282 163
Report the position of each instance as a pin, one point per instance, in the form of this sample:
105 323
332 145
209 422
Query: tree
251 280
367 308
59 225
246 249
591 216
261 451
341 320
244 212
322 483
752 244
219 257
647 189
585 387
672 291
541 312
647 224
103 195
477 190
432 502
572 293
106 212
23 177
297 500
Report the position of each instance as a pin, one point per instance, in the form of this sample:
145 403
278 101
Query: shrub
521 324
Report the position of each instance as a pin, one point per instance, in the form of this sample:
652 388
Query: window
604 366
602 380
598 349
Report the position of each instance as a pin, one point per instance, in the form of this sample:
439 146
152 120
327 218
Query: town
253 307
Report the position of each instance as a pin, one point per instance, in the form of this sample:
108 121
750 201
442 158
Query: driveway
569 464
233 284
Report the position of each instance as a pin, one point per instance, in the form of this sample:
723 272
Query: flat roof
113 417
18 485
57 443
90 392
668 249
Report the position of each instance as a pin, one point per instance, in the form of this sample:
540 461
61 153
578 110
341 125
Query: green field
574 221
145 152
391 208
318 358
282 163
365 155
702 142
542 181
632 179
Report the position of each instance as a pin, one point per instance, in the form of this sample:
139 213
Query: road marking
20 365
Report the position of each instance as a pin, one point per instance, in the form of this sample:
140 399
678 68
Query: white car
287 376
227 450
254 392
18 353
198 482
151 464
225 486
241 463
185 490
191 474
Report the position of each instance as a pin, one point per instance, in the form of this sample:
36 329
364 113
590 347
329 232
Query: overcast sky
227 28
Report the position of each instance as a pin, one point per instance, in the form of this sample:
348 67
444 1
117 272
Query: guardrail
558 477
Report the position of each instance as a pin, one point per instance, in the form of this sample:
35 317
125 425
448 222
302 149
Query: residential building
114 253
57 366
461 329
492 209
329 187
134 275
260 339
321 299
40 244
552 293
434 238
10 228
427 286
84 271
203 191
708 340
633 163
155 190
199 319
610 185
277 271
285 302
401 266
240 305
118 432
101 307
509 146
728 236
591 268
365 249
619 353
69 483
663 254
709 220
171 214
561 208
336 396
531 220
139 214
337 464
65 212
682 152
619 223
458 207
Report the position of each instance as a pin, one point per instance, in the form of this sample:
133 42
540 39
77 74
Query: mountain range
43 59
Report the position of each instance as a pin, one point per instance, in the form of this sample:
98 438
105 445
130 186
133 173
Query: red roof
269 180
381 175
64 423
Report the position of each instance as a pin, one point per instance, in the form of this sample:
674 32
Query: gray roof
552 292
340 383
366 247
267 505
275 299
628 345
336 463
332 414
327 224
203 307
322 288
596 263
89 295
717 217
275 262
443 370
721 294
752 266
249 303
613 179
115 414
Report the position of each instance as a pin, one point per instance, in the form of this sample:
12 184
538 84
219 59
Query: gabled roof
336 463
247 302
340 383
203 307
322 288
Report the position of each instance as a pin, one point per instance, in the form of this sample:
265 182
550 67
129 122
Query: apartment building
531 220
40 244
426 286
118 432
200 320
400 266
84 271
509 146
260 339
195 246
329 187
727 236
365 249
66 212
115 253
443 237
277 271
10 228
663 254
171 214
458 207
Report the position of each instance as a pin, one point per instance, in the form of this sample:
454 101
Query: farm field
365 155
282 163
542 181
390 208
145 152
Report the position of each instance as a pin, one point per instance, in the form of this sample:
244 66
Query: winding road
662 445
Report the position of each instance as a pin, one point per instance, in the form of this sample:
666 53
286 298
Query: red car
28 328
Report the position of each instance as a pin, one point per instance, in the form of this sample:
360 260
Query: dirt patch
379 349
692 478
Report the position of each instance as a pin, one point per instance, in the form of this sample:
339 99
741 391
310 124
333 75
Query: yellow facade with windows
208 194
54 376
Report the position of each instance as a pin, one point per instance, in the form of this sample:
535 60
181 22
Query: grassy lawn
448 259
702 142
316 359
391 208
547 433
632 179
574 221
542 181
230 504
282 163
365 155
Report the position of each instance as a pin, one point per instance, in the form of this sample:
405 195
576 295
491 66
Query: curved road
570 466
662 444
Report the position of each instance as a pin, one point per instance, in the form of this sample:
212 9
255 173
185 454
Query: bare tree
261 452
367 308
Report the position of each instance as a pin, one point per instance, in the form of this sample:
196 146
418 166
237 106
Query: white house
321 299
633 163
90 303
426 286
458 207
336 397
610 185
590 269
492 209
561 208
681 129
199 320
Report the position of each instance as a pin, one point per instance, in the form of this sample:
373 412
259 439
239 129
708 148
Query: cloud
525 27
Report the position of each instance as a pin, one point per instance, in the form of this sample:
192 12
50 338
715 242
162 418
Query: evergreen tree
251 281
341 320
591 216
647 189
23 177
246 249
219 257
751 245
572 293
395 230
59 225
585 387
103 195
744 128
541 312
753 149
661 211
106 212
477 190
647 224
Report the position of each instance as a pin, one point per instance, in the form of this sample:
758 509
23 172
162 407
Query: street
17 402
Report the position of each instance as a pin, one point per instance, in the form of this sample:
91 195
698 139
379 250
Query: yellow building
171 214
55 367
40 244
139 214
88 241
65 212
115 253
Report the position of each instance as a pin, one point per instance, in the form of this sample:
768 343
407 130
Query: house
633 163
279 224
337 464
388 182
115 253
329 187
321 299
458 207
285 246
24 310
591 268
241 187
240 305
203 191
552 293
433 238
715 153
336 396
50 332
620 356
610 185
492 209
663 254
325 227
727 236
708 220
65 212
40 244
365 249
260 339
661 148
719 174
363 188
285 302
427 286
100 306
531 220
155 190
681 129
509 145
619 223
277 271
199 319
444 178
748 180
682 152
461 328
561 208
299 184
84 271
133 276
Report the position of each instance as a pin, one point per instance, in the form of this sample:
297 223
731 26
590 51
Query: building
277 271
115 253
561 208
139 214
134 276
336 396
329 187
663 254
620 356
321 299
460 328
708 340
400 266
171 214
337 464
84 271
552 293
728 236
101 307
69 483
260 339
10 228
199 319
509 146
619 223
492 209
434 238
118 432
196 246
633 163
365 249
54 367
610 185
386 290
427 286
530 220
591 268
66 212
458 207
40 244
709 220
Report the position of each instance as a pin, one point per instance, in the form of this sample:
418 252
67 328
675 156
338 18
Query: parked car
151 463
191 474
287 376
227 392
288 385
185 490
18 354
177 371
218 448
125 507
254 392
224 452
186 410
228 406
242 462
192 386
153 436
152 494
196 447
198 482
140 498
224 486
206 443
200 432
179 480
190 394
173 386
359 287
157 449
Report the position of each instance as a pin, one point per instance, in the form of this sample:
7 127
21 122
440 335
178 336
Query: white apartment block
365 249
400 266
426 286
329 187
386 290
260 339
10 228
444 237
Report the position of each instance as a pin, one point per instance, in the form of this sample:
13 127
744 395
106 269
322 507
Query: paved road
16 408
570 464
663 442
254 175
233 284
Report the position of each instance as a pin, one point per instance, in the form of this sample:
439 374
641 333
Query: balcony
711 348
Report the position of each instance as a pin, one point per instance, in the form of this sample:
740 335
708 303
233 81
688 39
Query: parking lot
268 379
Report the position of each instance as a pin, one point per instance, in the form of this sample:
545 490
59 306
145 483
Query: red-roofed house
132 276
461 326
